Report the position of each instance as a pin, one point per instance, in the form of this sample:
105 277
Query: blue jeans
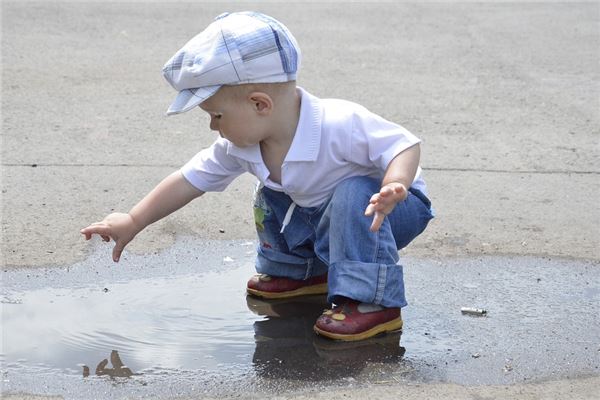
335 238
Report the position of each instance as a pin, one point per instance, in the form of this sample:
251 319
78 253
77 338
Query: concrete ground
506 97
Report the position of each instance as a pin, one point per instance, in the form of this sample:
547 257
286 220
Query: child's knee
356 186
352 195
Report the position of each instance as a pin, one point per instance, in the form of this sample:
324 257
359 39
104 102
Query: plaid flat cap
237 48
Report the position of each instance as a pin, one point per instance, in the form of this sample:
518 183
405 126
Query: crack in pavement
449 169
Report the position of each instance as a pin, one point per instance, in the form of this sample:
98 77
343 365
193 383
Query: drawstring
288 216
260 203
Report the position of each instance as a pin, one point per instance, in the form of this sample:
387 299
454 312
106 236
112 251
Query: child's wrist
137 225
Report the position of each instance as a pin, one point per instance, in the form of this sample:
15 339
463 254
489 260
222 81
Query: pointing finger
370 210
98 229
374 199
377 221
116 254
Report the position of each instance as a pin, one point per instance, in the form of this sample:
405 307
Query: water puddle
179 323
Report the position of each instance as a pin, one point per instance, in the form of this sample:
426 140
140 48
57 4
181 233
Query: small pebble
473 311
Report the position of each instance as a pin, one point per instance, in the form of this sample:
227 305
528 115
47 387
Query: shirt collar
307 139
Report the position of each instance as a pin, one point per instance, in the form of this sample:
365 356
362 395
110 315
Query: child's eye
218 116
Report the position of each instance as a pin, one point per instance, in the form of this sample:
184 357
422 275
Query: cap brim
190 98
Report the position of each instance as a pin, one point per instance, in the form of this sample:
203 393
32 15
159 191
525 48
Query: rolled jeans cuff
368 283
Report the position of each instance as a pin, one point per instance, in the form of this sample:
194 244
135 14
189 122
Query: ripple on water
170 326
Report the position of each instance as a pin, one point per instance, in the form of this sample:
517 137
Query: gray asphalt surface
180 321
504 95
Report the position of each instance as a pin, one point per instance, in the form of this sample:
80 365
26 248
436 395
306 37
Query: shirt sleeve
376 141
212 169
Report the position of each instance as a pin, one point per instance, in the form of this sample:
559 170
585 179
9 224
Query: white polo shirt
334 140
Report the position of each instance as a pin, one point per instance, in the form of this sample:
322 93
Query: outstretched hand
382 203
119 227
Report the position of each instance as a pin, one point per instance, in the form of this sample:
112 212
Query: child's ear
261 102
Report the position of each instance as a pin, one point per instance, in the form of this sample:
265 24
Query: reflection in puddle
287 347
118 368
167 325
179 323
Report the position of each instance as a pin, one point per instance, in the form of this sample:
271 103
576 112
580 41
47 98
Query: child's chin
243 145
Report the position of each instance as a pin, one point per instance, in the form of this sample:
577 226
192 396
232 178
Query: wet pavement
178 322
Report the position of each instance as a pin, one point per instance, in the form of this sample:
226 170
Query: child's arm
169 195
398 177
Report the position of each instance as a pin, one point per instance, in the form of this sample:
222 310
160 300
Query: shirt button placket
284 182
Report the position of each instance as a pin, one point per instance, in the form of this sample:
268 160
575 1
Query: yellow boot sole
305 291
390 326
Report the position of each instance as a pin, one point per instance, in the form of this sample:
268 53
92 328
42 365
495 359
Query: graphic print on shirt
261 209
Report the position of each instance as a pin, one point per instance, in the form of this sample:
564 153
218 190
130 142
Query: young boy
324 167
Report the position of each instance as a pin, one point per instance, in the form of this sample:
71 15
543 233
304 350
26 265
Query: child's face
234 117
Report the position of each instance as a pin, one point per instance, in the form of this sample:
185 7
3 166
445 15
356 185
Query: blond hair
274 90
